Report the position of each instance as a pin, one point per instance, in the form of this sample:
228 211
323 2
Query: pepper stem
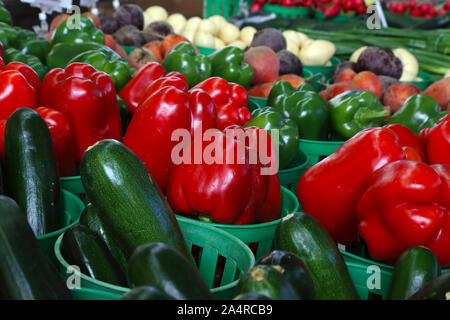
374 115
205 218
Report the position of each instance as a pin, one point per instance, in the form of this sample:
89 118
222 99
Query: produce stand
252 150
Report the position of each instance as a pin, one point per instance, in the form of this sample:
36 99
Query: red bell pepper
88 100
18 84
222 191
267 156
436 141
406 203
133 92
331 189
61 133
231 101
406 137
167 109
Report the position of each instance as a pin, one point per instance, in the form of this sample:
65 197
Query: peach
345 75
261 90
293 79
395 95
369 81
336 89
264 62
440 91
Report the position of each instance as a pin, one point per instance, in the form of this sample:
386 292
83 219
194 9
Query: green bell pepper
85 31
182 58
12 54
418 112
306 108
108 62
8 35
38 47
356 110
61 53
227 63
269 118
125 114
5 15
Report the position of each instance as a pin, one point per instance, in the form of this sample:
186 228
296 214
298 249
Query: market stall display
266 150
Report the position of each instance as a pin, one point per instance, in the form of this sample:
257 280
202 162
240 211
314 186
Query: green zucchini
436 289
293 269
120 186
251 296
92 218
146 293
81 247
414 268
25 272
268 281
302 235
31 167
160 265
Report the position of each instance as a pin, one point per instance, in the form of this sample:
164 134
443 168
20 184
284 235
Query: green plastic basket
91 294
316 150
205 51
422 85
287 12
371 282
73 207
289 177
319 15
128 49
72 184
321 74
259 236
224 8
213 243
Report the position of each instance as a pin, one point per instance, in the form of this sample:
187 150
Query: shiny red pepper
331 189
231 101
88 100
168 108
406 203
229 190
436 141
133 92
61 133
18 84
406 137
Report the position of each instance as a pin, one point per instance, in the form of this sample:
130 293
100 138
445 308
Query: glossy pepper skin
227 192
406 137
61 133
418 112
38 47
231 101
85 31
406 203
19 86
331 189
182 58
228 64
436 142
168 107
108 62
356 110
133 92
269 118
306 108
267 153
88 100
5 15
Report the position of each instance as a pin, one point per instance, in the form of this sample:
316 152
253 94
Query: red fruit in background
395 95
361 9
337 88
293 79
369 81
424 8
332 11
440 91
412 4
260 90
446 6
255 7
415 12
264 62
345 75
440 12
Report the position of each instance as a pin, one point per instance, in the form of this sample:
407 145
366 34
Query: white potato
229 33
247 34
192 23
158 12
317 53
355 55
409 63
177 21
204 39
